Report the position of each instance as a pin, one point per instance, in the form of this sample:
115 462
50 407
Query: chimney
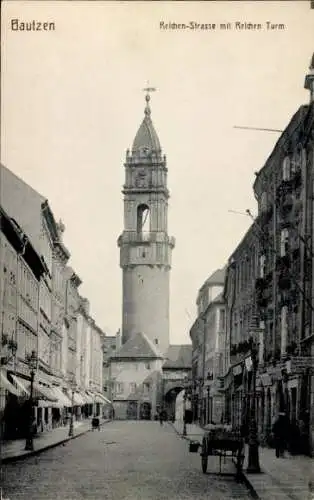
309 80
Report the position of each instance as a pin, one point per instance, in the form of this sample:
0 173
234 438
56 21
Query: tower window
156 341
143 219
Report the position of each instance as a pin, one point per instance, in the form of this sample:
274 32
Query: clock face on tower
141 179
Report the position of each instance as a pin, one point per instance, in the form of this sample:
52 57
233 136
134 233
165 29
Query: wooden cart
224 444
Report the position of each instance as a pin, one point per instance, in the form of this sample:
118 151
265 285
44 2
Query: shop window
264 202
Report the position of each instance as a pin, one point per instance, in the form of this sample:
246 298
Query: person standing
280 431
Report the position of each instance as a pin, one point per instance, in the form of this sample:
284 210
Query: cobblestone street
122 461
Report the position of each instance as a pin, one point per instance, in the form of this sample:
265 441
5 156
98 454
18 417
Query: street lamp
253 458
71 428
32 363
184 412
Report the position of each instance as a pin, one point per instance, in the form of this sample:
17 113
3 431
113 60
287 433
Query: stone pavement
126 460
289 478
14 450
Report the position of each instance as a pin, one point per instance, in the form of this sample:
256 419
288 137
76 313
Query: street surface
122 461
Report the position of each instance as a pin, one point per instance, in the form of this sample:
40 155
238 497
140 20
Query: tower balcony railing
145 237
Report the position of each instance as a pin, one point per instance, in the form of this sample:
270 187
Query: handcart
224 443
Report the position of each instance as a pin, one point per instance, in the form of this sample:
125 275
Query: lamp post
32 363
184 406
71 428
253 458
208 391
184 412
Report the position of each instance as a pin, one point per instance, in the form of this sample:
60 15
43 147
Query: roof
178 356
138 346
146 138
219 298
217 278
24 204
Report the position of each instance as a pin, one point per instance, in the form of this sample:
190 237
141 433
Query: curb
187 438
23 456
244 478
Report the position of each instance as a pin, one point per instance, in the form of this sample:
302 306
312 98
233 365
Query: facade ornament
60 227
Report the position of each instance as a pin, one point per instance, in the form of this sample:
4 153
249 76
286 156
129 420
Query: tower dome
146 139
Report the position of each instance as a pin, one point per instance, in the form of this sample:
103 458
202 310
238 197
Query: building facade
284 191
207 347
40 311
136 379
269 292
240 302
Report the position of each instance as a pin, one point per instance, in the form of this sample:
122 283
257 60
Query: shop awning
100 398
89 398
41 391
21 385
7 385
62 398
77 398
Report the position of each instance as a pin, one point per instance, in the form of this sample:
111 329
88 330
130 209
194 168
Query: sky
72 102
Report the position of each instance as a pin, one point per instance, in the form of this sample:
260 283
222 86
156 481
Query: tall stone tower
145 247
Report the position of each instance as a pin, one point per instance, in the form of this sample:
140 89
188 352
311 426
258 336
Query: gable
136 347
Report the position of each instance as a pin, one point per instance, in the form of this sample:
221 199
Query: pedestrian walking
161 418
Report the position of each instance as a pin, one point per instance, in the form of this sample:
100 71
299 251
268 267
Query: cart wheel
204 456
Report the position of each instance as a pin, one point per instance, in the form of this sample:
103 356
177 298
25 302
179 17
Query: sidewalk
281 478
14 450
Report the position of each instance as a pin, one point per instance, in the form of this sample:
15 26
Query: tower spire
148 90
146 140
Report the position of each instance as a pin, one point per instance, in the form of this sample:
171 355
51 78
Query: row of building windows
58 280
27 313
291 165
28 285
246 270
45 300
121 387
26 341
46 248
285 247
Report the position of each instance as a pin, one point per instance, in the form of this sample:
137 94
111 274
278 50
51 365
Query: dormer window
264 202
262 263
296 161
286 169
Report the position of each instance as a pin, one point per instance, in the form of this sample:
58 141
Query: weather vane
149 89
